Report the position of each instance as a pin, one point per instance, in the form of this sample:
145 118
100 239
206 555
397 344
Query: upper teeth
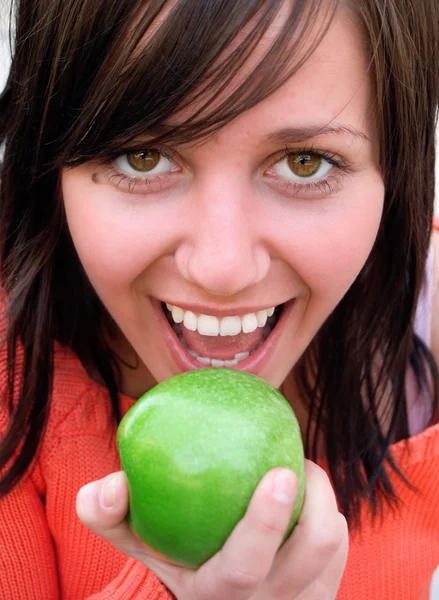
209 325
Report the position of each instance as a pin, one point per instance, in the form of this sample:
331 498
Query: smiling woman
263 184
234 183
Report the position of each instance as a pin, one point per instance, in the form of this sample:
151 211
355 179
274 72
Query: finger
431 589
102 506
434 587
328 581
319 539
244 561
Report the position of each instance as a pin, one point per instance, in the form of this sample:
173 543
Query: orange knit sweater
47 554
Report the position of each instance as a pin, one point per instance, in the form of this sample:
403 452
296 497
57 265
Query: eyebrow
300 134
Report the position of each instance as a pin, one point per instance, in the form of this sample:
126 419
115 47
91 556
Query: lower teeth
215 362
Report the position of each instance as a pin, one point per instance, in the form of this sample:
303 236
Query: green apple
194 449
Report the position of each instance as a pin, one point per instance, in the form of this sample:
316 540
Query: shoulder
79 405
77 402
76 399
78 443
435 303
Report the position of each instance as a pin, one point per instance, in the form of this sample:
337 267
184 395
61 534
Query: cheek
330 244
335 259
116 237
345 248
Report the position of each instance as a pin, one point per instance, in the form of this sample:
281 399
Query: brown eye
304 165
144 161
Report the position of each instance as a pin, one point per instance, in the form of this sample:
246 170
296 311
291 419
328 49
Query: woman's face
279 210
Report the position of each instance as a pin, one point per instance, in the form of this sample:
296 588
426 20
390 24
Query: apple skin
194 448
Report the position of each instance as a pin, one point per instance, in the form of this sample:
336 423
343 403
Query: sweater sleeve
28 563
135 582
27 554
81 448
45 551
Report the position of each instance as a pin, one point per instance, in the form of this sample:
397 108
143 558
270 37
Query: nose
223 253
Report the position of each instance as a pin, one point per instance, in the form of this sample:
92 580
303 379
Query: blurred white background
5 58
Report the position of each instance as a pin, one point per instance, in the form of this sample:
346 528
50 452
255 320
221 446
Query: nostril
221 269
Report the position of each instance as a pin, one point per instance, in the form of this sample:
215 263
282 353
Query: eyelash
325 186
114 175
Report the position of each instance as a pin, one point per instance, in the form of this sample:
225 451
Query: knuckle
331 536
271 528
239 579
267 525
343 525
314 470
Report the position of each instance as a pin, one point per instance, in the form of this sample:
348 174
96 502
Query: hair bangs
191 64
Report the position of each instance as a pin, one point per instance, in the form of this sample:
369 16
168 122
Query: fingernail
284 486
107 493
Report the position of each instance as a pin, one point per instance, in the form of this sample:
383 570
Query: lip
225 312
253 364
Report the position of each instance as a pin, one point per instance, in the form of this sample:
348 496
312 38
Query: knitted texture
46 552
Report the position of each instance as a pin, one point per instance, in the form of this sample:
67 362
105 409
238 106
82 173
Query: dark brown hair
81 85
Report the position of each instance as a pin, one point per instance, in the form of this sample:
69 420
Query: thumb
103 505
434 587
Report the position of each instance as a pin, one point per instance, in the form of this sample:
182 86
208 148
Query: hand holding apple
252 564
194 449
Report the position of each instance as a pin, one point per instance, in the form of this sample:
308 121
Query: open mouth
241 342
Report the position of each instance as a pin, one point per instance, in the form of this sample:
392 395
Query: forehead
334 80
181 76
334 83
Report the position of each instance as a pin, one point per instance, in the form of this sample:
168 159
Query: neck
135 378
